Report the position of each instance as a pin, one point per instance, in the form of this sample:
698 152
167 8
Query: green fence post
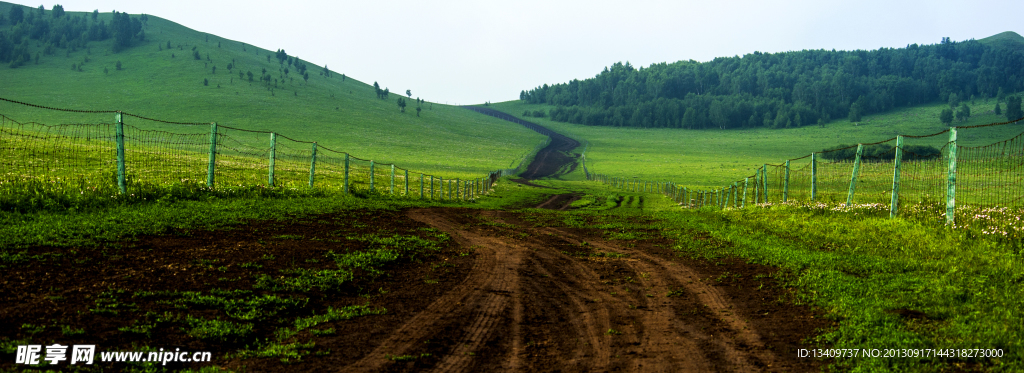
392 189
371 176
728 193
764 183
853 177
440 187
746 181
213 155
785 186
273 156
312 166
406 182
757 186
735 191
431 186
894 204
951 179
814 177
346 173
121 182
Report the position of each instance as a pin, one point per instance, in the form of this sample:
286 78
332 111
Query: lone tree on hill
964 113
418 110
408 92
1013 109
401 104
946 117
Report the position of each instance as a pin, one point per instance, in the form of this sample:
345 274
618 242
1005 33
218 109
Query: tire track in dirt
529 304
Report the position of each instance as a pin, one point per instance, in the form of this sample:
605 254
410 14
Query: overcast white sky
469 52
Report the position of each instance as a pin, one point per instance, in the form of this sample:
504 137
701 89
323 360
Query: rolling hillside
161 77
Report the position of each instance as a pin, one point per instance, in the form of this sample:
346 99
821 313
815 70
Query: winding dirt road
541 298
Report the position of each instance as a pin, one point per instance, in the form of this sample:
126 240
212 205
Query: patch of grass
218 331
335 314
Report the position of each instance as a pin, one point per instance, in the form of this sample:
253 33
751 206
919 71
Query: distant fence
888 172
222 157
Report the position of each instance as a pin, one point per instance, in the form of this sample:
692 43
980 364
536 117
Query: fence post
894 205
406 182
951 180
746 181
814 177
346 173
371 176
431 186
785 186
121 182
440 183
757 186
735 192
273 156
312 166
392 190
213 155
853 177
764 183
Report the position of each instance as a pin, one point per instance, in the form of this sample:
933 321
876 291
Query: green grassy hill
339 112
1008 40
713 158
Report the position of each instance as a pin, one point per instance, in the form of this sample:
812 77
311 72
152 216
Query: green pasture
341 114
715 158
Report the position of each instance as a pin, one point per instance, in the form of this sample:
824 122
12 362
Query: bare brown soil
511 291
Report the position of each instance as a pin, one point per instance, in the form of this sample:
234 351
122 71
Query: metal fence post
894 204
213 156
273 156
312 166
746 181
406 182
371 176
951 179
853 177
346 173
785 186
392 189
764 183
121 171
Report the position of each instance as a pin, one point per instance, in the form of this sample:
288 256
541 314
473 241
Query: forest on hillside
781 90
55 29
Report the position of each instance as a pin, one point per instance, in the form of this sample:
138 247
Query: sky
470 52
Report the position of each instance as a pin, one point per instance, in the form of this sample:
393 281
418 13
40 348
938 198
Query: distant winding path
555 159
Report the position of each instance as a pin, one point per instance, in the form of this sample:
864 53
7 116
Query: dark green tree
58 11
418 109
16 14
401 104
998 110
249 74
195 54
95 15
1013 109
964 113
408 92
305 77
855 114
946 117
117 66
953 100
206 82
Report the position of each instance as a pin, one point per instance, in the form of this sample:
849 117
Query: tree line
779 90
56 29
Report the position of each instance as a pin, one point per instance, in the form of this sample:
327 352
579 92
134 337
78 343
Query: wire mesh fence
900 170
101 155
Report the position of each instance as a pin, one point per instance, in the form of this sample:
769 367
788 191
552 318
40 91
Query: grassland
714 158
905 283
340 113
